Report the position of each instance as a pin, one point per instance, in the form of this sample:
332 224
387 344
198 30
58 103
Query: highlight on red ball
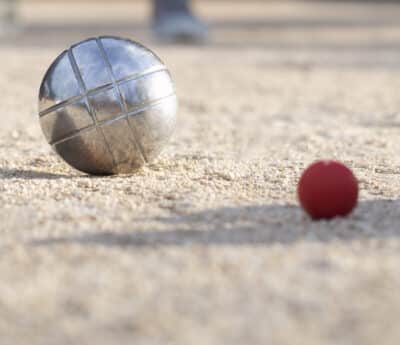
328 189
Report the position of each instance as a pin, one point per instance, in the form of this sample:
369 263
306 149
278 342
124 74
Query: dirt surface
208 245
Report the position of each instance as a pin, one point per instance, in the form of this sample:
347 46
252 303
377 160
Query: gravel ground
207 245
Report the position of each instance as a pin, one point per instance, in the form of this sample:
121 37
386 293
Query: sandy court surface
207 245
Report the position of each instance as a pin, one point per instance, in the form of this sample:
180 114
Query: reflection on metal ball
107 105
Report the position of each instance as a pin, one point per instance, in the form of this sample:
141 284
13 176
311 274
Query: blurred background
289 25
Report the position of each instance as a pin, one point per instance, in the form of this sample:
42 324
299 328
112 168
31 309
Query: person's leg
173 20
162 7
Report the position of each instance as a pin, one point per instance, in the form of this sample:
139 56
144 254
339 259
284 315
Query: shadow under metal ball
107 105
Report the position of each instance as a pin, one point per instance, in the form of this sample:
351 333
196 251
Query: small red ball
327 189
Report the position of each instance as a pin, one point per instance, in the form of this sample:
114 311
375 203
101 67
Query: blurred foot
179 26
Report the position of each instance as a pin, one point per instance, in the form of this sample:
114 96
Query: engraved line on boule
144 74
73 135
60 105
83 89
138 111
75 99
124 108
146 106
102 88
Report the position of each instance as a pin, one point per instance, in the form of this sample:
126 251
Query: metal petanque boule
107 105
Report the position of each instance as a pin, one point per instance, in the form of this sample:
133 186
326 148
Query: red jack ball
327 189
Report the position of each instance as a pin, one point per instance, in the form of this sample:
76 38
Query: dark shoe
179 27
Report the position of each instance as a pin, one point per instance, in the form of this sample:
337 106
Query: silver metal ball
107 105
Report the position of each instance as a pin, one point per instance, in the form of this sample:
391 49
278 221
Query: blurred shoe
179 27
